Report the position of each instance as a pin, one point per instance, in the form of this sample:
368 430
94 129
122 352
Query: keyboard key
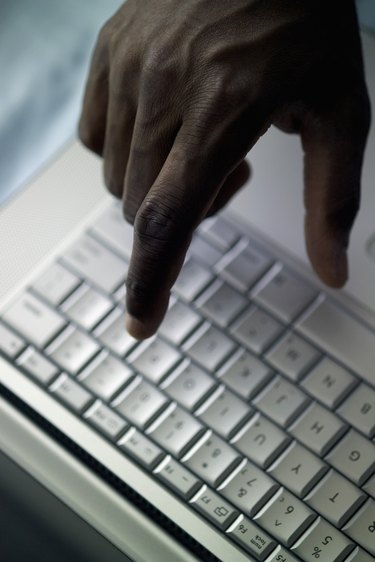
56 283
253 539
359 409
318 429
249 489
219 232
281 401
220 303
342 336
140 403
261 441
96 264
285 517
298 469
179 322
71 393
141 448
224 412
362 527
256 329
293 356
106 420
282 555
72 350
243 268
188 384
369 487
335 498
38 366
212 459
354 456
328 382
192 279
359 555
209 347
176 431
154 359
203 251
10 344
324 541
33 319
112 228
285 294
86 307
105 376
113 335
178 478
214 508
245 374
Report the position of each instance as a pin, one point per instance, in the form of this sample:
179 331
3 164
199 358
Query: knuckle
157 224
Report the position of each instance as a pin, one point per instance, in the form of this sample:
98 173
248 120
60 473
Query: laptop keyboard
247 404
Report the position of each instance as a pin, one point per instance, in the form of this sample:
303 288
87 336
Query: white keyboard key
221 303
178 478
359 409
354 456
212 459
113 334
179 322
242 269
362 527
224 412
86 307
369 487
106 420
71 393
285 294
56 283
112 228
10 344
188 384
105 376
281 554
192 279
209 347
37 366
318 429
93 262
72 350
359 555
328 382
323 541
120 294
140 403
285 517
214 508
261 441
293 356
245 374
34 320
219 232
256 329
154 359
342 336
298 469
204 252
253 539
281 401
176 430
335 498
141 448
249 489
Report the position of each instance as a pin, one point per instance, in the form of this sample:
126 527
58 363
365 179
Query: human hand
178 94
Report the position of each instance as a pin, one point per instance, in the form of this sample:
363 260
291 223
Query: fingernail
136 328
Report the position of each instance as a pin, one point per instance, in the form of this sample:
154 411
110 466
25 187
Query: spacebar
342 336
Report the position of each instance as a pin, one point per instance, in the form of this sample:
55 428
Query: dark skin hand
178 94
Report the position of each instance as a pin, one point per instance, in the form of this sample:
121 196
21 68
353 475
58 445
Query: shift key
33 319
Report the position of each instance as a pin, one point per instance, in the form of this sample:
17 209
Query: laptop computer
245 429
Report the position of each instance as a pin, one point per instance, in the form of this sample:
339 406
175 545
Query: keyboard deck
254 403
